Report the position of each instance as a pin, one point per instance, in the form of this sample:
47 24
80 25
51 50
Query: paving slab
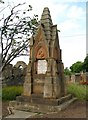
21 114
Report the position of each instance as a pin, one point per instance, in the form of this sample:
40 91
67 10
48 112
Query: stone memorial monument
45 68
44 86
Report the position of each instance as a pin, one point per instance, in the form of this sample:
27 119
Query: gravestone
45 68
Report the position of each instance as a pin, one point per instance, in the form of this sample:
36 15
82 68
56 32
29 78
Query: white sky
70 16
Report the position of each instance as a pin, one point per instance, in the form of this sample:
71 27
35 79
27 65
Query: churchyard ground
78 109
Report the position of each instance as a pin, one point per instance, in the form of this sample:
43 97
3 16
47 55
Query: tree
1 1
77 67
67 71
15 30
85 64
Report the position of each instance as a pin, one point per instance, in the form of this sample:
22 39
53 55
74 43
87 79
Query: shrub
10 93
80 91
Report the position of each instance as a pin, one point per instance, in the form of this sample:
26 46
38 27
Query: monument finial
46 17
46 21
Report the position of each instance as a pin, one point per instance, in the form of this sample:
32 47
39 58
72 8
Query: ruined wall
14 75
76 78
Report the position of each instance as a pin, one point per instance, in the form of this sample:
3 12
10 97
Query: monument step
37 95
38 99
66 104
30 107
64 99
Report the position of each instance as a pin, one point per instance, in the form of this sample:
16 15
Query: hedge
10 93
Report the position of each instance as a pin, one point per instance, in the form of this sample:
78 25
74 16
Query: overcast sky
70 16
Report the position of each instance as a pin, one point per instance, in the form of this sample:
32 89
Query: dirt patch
75 110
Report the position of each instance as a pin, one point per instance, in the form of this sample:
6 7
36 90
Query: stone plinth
38 99
39 104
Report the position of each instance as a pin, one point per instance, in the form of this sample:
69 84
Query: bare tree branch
14 32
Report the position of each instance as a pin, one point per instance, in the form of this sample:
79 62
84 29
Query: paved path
21 114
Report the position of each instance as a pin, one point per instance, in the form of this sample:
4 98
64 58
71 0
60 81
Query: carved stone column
28 82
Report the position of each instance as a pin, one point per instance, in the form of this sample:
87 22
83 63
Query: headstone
73 78
77 77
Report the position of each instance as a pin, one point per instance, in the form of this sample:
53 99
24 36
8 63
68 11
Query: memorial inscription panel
42 67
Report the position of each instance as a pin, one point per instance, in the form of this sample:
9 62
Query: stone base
40 104
38 99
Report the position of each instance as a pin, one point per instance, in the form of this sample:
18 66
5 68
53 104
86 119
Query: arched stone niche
40 51
20 64
41 54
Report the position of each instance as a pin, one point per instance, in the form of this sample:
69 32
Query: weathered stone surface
77 78
37 103
27 89
14 75
38 99
45 56
44 86
48 87
20 63
22 115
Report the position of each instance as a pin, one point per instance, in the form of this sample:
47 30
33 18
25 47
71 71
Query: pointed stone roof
46 21
46 17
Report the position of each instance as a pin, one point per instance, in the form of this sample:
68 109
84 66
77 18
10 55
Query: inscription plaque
42 66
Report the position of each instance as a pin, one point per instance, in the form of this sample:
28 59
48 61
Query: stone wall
14 75
76 78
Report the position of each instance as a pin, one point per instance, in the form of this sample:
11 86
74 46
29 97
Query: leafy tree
15 30
67 71
85 64
77 67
